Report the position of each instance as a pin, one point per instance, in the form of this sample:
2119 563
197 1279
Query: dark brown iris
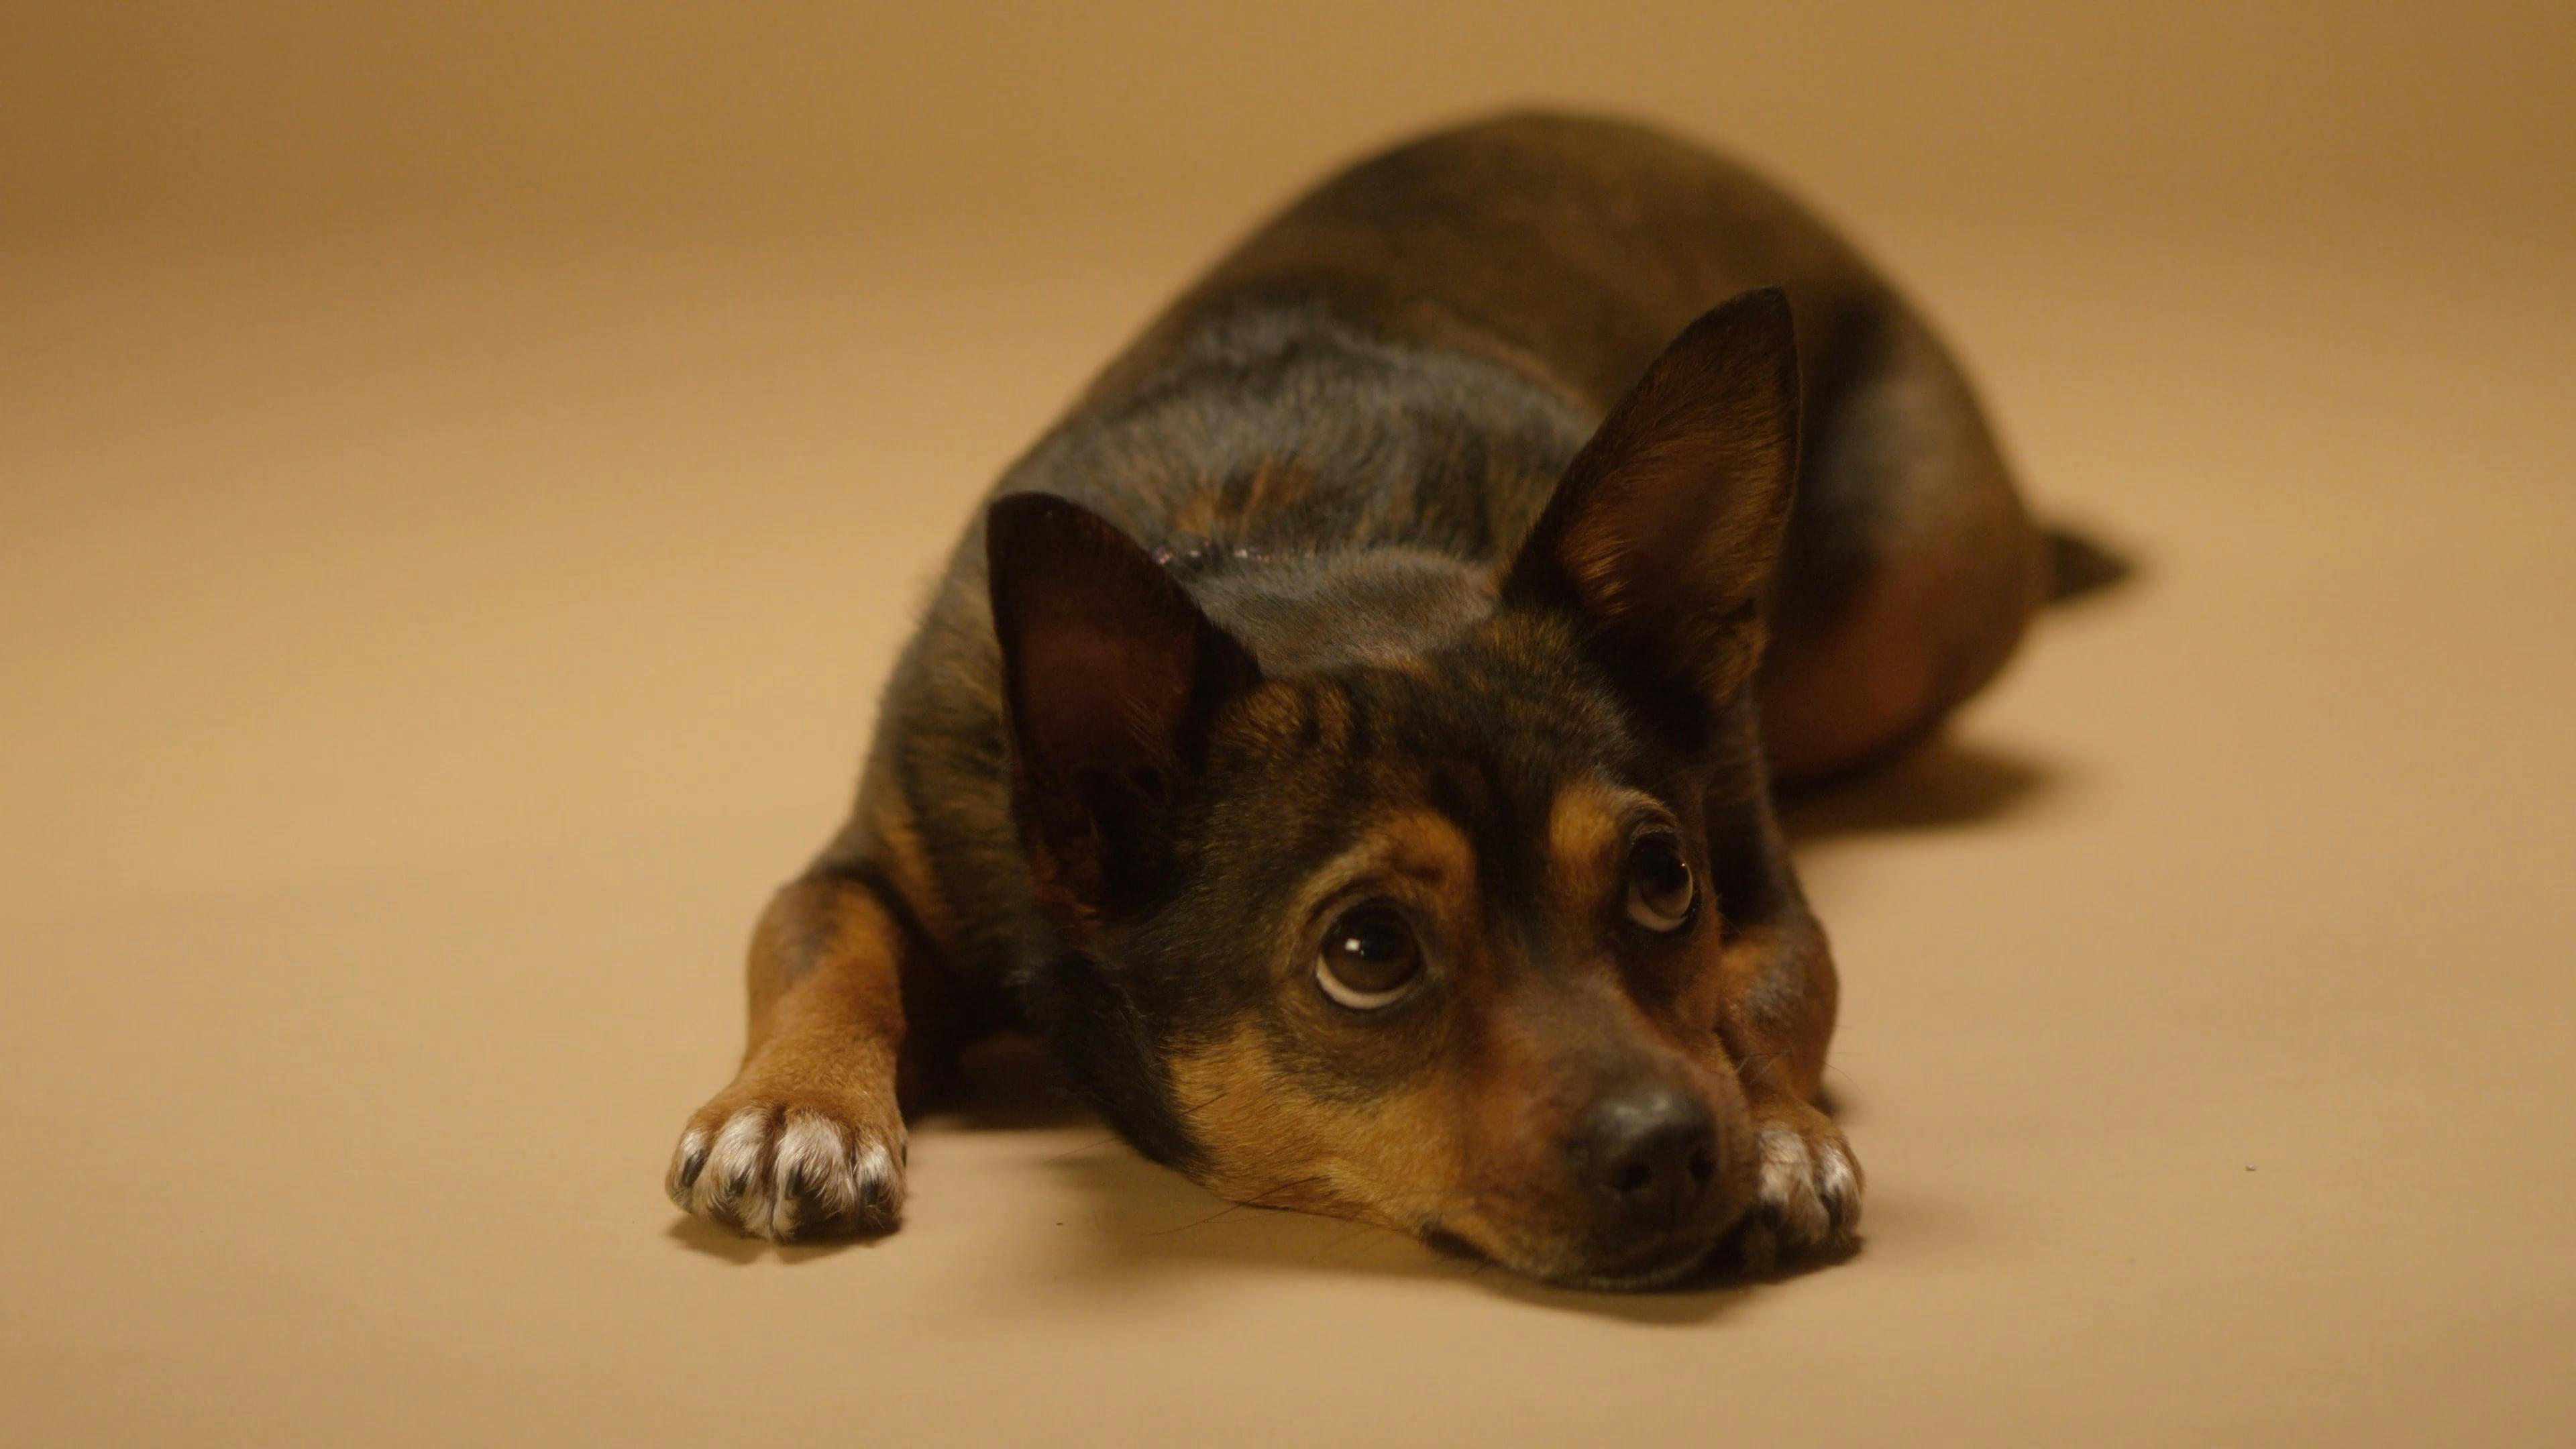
1661 893
1369 956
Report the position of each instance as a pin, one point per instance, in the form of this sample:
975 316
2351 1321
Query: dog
1349 737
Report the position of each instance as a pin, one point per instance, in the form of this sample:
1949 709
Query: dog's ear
1111 676
1662 535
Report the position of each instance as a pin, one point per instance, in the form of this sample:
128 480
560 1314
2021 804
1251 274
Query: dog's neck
1301 610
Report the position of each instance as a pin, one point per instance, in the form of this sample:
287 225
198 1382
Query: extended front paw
787 1166
1810 1187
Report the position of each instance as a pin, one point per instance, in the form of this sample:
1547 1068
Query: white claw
735 1158
687 1160
1838 1184
875 1173
1789 1186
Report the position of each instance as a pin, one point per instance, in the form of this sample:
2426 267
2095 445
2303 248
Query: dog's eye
1369 957
1661 894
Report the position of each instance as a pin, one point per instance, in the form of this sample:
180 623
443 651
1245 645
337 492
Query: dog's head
1402 894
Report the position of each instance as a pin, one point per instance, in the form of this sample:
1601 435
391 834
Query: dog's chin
1660 1265
1661 1271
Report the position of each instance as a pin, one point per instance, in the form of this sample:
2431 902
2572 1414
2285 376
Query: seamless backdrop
465 470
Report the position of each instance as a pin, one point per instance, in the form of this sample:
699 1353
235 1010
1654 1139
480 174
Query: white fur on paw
1838 1183
779 1172
1811 1188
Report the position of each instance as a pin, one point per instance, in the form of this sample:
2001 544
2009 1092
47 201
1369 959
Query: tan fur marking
1194 515
905 859
1256 489
1407 662
1423 846
1390 1161
1274 715
1419 848
1587 830
1785 1052
845 945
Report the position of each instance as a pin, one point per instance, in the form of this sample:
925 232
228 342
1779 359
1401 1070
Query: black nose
1649 1153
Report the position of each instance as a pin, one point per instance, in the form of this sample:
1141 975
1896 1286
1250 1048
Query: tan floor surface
464 472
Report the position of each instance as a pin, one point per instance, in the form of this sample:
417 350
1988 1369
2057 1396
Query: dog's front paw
1810 1187
786 1166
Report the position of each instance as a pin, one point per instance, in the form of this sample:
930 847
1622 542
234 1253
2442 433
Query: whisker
1256 1200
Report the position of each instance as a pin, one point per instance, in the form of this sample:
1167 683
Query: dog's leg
809 1139
1911 567
1780 987
1773 1001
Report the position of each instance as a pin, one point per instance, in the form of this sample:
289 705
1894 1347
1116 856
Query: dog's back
1408 355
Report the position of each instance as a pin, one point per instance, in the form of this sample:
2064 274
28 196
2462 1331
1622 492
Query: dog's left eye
1369 957
1661 893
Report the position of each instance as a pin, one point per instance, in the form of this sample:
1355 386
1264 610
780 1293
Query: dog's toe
1811 1185
784 1171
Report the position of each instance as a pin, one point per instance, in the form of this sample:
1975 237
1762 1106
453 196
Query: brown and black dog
1349 736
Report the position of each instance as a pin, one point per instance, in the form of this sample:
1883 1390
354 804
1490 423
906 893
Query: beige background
464 469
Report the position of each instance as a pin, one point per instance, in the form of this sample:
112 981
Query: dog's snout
1650 1154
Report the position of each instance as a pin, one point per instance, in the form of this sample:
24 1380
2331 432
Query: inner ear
1663 533
1111 676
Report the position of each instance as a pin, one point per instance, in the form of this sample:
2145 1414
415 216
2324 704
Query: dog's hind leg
809 1139
1911 567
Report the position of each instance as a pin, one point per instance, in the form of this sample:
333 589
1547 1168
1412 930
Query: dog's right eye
1369 957
1662 897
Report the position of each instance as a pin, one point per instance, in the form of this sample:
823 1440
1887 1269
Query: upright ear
1111 676
1662 534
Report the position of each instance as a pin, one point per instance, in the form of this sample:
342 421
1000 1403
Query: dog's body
1335 641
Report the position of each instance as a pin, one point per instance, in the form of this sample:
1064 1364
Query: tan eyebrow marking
1587 833
1419 845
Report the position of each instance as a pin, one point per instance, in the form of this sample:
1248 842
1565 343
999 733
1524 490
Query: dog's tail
2080 566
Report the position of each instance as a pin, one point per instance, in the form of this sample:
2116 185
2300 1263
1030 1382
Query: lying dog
1348 738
